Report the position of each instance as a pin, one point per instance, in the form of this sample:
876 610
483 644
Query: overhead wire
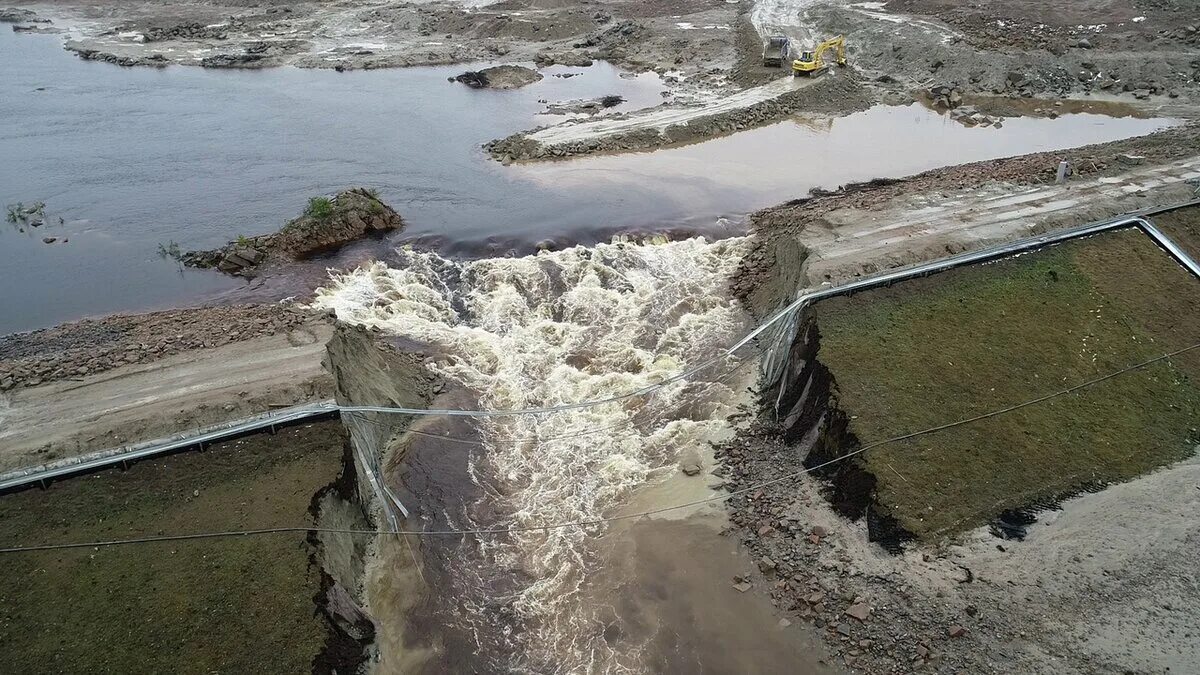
598 521
742 362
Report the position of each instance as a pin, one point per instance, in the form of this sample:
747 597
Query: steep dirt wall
381 578
810 420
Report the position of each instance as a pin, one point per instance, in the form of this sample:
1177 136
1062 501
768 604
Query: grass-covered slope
973 340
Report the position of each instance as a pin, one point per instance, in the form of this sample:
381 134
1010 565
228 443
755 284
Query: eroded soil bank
246 604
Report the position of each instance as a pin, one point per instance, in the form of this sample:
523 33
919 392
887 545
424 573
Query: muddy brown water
134 158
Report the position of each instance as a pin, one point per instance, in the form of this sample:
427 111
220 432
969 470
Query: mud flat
235 604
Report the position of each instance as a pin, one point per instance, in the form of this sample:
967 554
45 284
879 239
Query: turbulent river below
627 592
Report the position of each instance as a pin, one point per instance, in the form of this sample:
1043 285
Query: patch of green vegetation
320 208
979 339
233 605
170 250
20 213
244 241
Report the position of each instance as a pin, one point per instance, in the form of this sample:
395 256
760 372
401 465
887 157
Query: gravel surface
93 346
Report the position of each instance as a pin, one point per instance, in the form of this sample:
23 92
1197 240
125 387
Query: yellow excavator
813 62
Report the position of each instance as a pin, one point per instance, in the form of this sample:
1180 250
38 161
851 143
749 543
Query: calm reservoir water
133 158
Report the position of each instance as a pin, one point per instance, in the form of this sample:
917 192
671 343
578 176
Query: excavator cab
813 61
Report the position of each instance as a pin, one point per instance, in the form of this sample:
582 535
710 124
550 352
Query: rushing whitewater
561 327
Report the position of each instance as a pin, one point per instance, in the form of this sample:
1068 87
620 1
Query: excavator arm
814 61
838 43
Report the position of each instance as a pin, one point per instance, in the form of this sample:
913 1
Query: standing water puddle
132 159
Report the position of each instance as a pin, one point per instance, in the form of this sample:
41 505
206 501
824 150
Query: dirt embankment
1024 327
402 454
831 96
771 270
326 225
1183 227
91 346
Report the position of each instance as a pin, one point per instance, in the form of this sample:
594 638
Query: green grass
320 208
1183 227
170 250
970 341
240 605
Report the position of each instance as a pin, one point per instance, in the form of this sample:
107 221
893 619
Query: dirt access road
142 401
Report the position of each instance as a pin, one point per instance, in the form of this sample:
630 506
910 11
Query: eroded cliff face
375 583
810 419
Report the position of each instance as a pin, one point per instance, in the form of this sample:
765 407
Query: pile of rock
564 58
154 60
185 31
589 106
946 97
971 117
18 15
807 567
327 225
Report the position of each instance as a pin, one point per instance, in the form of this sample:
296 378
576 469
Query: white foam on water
561 327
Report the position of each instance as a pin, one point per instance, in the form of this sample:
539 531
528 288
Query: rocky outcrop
154 60
185 31
327 225
589 106
499 77
244 60
566 58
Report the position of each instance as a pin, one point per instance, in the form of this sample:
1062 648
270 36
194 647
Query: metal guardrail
784 322
123 455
